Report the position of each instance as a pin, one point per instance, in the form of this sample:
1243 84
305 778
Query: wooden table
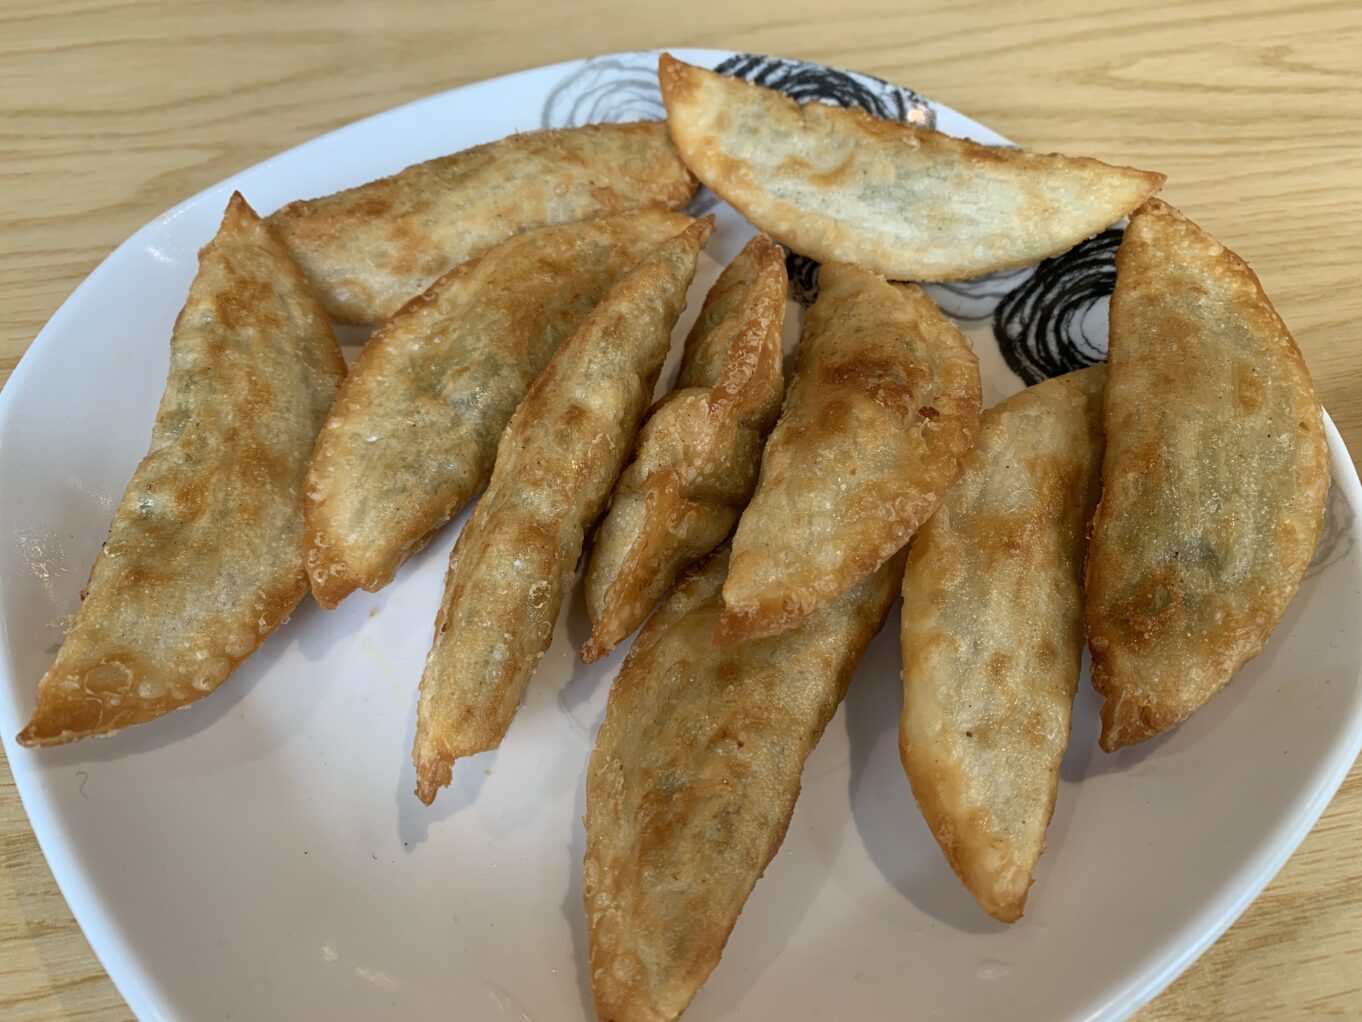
113 110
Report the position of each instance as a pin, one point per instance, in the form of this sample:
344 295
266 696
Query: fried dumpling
205 554
413 434
841 185
556 463
697 457
882 410
1214 480
993 635
694 777
369 250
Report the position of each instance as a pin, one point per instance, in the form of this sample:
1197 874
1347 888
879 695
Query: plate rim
101 927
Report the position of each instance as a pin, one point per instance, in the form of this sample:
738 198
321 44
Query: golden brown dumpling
882 410
413 434
693 779
556 463
205 554
913 204
369 250
697 457
993 635
1214 479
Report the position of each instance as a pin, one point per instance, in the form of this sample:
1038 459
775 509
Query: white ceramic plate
260 854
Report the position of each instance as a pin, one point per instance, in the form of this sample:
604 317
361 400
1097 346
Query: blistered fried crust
883 409
204 557
369 250
1214 480
413 434
693 779
557 461
697 456
993 635
910 203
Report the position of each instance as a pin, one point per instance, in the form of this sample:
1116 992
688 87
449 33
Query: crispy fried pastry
694 777
883 409
993 635
413 434
369 250
697 457
1214 480
913 204
556 464
205 555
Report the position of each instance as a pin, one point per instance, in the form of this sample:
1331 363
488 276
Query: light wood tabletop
114 110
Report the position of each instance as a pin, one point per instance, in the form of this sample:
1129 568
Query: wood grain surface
112 111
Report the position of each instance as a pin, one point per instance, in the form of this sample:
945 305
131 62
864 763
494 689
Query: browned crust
992 635
693 781
161 624
936 794
696 461
557 460
435 386
1167 632
881 414
370 249
840 185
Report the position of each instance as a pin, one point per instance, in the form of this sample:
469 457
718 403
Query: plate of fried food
671 532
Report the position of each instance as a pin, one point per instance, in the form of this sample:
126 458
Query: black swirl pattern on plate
606 90
1055 321
1048 320
974 301
1336 539
807 83
803 274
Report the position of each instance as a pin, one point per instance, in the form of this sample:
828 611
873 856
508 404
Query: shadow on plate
574 911
414 819
190 721
405 605
896 838
584 682
781 899
774 912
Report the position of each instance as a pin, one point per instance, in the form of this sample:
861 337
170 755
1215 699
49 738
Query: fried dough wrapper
910 203
205 556
557 461
413 434
880 415
694 777
697 457
369 250
1214 480
993 635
